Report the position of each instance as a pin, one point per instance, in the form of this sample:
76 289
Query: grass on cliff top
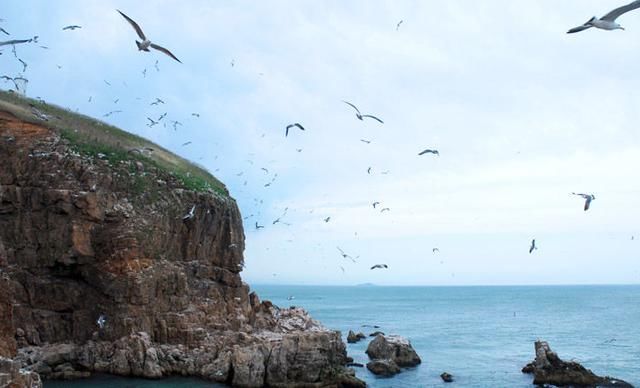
92 137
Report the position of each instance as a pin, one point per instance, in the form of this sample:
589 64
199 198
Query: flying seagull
259 226
361 116
346 256
102 320
608 21
379 266
398 25
434 250
587 199
186 144
327 219
4 31
376 203
428 151
291 126
189 215
16 41
533 245
146 43
73 27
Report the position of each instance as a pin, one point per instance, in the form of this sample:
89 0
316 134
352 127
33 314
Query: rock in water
446 377
88 228
384 368
353 337
548 368
395 348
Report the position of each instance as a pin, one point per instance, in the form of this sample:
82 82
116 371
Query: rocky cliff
91 224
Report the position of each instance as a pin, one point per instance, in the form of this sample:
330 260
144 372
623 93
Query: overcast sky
522 114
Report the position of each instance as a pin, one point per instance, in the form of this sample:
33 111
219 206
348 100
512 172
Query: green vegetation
94 138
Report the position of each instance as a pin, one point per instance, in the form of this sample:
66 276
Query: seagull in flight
398 25
292 126
434 250
587 199
346 256
71 28
376 203
146 43
533 245
608 21
259 226
189 215
379 266
18 41
428 151
102 320
327 219
4 31
361 116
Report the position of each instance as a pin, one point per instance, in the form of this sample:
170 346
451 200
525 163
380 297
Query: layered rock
12 376
548 368
84 235
390 353
352 337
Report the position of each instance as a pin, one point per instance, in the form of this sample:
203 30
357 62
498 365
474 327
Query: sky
521 113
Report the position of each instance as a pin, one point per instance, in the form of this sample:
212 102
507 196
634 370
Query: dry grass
91 136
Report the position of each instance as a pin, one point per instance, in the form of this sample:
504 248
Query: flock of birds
607 22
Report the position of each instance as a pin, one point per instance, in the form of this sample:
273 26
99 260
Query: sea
481 335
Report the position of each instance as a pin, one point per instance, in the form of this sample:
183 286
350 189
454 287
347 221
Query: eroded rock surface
83 236
548 368
395 348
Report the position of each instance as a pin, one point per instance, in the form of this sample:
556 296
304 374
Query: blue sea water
481 335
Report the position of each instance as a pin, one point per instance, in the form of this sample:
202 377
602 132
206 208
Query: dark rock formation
395 348
375 333
85 233
355 364
446 377
384 368
548 368
353 337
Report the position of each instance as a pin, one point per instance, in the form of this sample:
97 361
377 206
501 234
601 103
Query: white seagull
189 215
608 21
146 43
587 199
102 320
360 116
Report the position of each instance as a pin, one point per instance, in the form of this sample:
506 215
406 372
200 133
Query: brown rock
353 337
12 376
83 235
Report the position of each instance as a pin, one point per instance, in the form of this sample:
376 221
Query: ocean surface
481 335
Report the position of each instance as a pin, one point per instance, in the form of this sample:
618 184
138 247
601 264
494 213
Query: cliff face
86 233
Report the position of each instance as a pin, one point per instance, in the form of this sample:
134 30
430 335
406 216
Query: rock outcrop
390 353
548 368
13 376
352 337
89 230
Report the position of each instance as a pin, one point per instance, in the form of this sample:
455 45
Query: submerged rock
384 368
548 368
446 377
394 348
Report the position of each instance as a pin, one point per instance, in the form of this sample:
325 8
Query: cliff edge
91 224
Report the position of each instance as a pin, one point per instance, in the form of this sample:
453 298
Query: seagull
186 144
533 245
398 25
361 116
327 219
195 114
146 43
73 27
112 112
344 255
587 199
375 204
259 226
15 41
379 266
608 21
152 122
365 141
157 101
189 215
3 30
369 170
291 126
428 151
386 209
434 250
102 320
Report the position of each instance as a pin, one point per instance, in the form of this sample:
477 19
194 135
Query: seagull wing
353 106
3 30
613 15
578 29
425 152
287 130
15 41
374 117
587 202
134 25
299 126
164 50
